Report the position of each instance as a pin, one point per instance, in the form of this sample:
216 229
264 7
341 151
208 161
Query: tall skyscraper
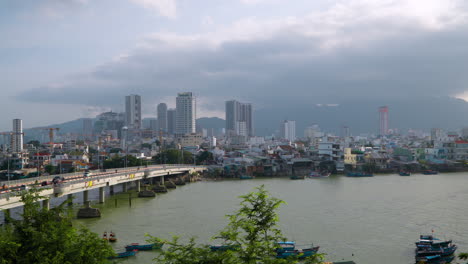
17 136
162 116
383 117
186 113
87 128
239 115
171 121
133 111
289 130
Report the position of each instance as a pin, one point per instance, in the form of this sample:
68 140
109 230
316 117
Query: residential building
190 140
186 113
17 136
133 111
288 130
171 121
239 115
383 118
162 116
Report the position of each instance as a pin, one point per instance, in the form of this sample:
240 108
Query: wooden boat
435 259
246 177
299 253
125 254
104 236
137 246
112 237
359 174
405 173
296 177
315 174
430 172
224 247
435 250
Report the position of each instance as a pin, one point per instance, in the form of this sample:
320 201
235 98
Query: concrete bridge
76 182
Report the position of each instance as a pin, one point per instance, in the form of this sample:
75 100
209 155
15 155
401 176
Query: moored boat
316 174
224 247
137 246
435 259
359 174
405 173
430 172
112 237
104 236
435 250
246 177
299 253
125 254
296 177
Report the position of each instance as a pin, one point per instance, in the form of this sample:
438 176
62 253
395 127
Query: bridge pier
162 180
102 194
124 187
111 189
46 204
85 196
138 185
70 199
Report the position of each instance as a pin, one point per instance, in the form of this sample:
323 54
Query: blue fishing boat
435 250
137 246
125 254
245 177
224 247
435 259
286 245
359 174
298 253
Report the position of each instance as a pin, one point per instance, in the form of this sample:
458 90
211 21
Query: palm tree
463 256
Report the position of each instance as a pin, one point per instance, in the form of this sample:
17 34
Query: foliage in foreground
252 231
48 236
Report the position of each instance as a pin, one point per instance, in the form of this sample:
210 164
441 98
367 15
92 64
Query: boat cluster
434 251
285 249
131 249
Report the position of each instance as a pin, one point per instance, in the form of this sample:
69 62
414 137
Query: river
368 220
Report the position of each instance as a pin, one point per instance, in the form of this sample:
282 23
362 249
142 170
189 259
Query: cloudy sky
65 59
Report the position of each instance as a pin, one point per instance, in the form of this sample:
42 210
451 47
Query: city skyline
314 52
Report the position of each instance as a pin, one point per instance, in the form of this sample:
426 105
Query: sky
65 59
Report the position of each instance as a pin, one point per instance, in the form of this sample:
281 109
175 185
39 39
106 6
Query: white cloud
166 8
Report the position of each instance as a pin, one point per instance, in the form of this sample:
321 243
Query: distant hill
74 126
211 122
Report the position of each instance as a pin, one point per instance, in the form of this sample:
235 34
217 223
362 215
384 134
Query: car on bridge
87 174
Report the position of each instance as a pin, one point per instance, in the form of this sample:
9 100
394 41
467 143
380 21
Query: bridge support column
70 197
46 204
85 196
124 187
138 185
162 180
111 189
102 194
6 214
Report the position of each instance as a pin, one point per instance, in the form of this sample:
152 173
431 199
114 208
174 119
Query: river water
368 220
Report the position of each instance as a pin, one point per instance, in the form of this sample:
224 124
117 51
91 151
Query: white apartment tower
133 111
288 129
186 113
17 136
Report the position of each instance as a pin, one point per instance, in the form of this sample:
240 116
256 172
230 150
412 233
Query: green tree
252 235
51 169
48 236
173 156
204 157
35 143
119 162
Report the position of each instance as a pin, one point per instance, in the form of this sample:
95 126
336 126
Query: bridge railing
94 176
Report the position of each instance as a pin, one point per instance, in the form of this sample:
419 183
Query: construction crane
51 136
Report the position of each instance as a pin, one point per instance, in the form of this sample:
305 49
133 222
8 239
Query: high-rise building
133 111
171 121
153 124
239 112
87 128
186 113
162 116
288 128
17 136
383 118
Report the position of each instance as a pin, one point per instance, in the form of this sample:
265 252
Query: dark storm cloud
287 67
